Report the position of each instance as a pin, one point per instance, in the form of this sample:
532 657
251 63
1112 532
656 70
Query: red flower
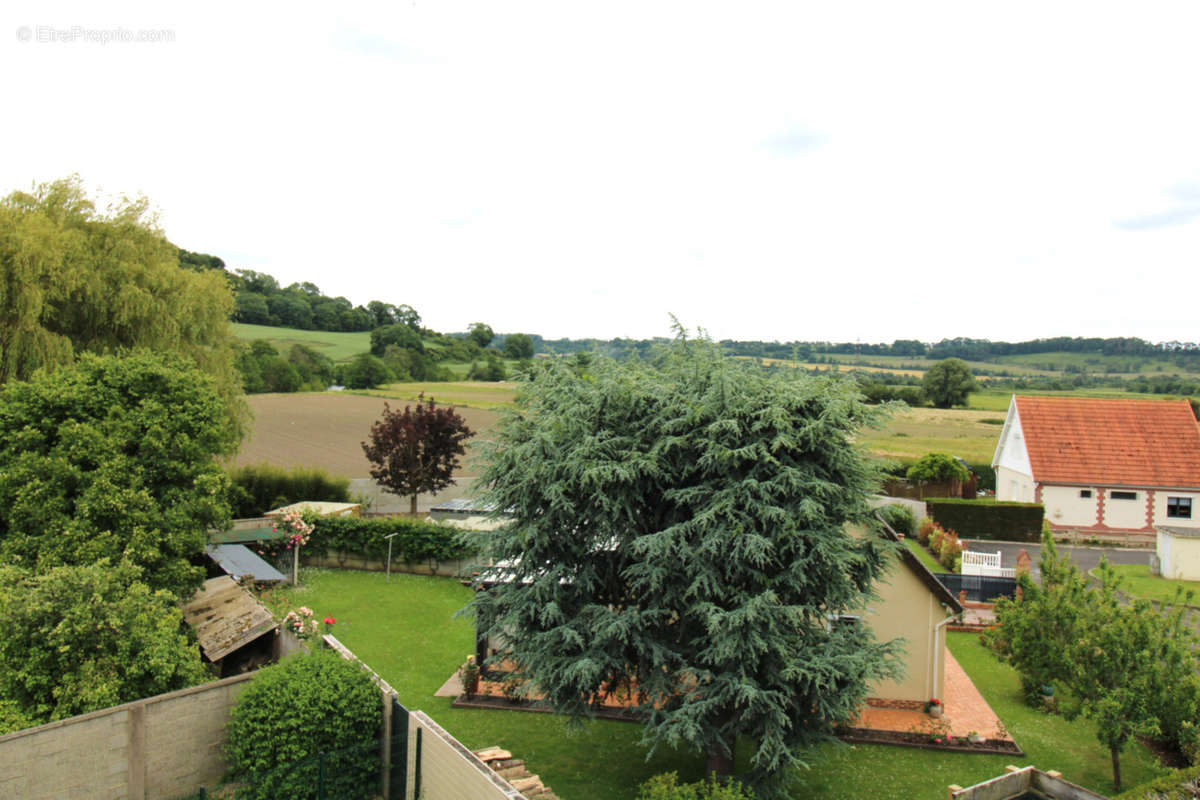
330 621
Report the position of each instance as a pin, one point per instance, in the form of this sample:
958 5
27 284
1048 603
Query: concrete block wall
86 756
448 770
158 747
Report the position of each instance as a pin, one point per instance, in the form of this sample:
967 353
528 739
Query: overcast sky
809 171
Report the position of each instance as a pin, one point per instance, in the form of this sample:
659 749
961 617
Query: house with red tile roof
1102 465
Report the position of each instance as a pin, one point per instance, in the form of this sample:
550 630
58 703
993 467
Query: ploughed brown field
326 429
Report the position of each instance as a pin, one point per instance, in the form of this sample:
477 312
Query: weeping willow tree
679 534
75 279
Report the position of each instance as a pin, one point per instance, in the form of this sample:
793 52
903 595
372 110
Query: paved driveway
1084 557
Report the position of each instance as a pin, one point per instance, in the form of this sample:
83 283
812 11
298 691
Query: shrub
258 488
937 468
900 517
667 787
949 550
1181 784
935 538
293 712
926 530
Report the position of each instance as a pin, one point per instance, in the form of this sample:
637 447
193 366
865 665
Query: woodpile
513 770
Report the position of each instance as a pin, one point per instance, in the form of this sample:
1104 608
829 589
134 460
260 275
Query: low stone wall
159 747
340 560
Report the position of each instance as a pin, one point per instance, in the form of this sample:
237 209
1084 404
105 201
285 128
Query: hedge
1006 522
418 541
258 488
1179 785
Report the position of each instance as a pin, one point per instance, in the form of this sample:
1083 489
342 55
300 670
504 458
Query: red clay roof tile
1111 442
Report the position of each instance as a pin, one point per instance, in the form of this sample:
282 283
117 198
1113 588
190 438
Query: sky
792 171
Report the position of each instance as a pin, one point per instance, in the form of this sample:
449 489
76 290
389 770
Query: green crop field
1095 363
467 394
998 400
913 432
338 346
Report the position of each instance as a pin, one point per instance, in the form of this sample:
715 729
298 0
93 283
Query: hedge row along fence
1006 522
257 488
417 542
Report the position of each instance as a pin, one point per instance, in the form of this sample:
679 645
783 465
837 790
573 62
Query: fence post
385 747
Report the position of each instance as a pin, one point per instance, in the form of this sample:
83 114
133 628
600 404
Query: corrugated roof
244 535
239 560
1085 440
225 616
322 507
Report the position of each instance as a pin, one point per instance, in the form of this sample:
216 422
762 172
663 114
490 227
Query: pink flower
330 621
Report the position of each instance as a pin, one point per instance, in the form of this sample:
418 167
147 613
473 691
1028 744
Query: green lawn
922 554
338 346
407 632
1136 580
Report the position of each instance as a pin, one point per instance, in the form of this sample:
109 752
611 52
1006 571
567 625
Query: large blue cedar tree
679 531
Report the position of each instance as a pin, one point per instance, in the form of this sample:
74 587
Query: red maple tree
416 450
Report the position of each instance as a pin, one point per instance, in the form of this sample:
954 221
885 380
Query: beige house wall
907 609
1160 509
1179 556
1013 485
1064 506
160 747
1125 513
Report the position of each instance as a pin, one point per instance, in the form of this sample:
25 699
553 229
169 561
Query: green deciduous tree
937 468
399 335
680 530
81 638
1128 666
366 371
948 383
518 346
416 450
481 333
73 280
112 457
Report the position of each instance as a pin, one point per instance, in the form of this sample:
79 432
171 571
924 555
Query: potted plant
468 673
933 707
974 737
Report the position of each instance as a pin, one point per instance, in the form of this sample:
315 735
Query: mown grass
1136 580
338 346
407 631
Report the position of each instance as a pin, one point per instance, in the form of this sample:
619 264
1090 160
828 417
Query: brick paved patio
965 710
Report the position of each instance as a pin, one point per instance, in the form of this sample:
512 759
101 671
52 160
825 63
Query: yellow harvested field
326 430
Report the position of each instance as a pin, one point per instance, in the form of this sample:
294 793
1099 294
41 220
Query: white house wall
1014 473
1064 506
